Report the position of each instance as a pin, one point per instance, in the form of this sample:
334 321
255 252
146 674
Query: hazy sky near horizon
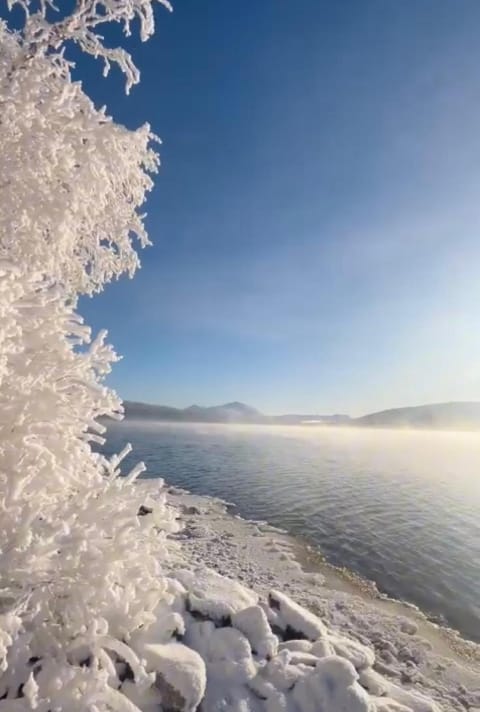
316 218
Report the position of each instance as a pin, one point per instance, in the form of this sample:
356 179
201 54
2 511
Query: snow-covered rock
313 666
414 700
386 704
332 687
299 658
253 623
302 645
373 682
146 700
213 596
408 626
359 655
180 675
281 673
322 648
230 656
226 652
294 620
165 625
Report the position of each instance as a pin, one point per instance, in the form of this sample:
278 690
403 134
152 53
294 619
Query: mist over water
401 508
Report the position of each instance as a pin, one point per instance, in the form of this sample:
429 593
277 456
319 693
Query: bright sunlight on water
401 508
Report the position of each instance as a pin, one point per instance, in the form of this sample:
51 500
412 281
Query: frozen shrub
78 571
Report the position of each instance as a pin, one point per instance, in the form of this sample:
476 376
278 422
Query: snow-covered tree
79 571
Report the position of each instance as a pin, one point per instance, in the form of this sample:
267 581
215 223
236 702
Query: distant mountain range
445 416
228 413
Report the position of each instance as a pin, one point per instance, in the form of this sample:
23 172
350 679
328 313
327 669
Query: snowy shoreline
411 653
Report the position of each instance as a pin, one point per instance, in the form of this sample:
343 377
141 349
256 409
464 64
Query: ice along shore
265 624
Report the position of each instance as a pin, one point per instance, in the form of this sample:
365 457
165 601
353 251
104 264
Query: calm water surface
400 508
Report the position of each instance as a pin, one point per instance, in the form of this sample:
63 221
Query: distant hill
443 416
227 413
147 411
234 412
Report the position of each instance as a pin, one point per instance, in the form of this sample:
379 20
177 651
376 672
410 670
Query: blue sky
316 218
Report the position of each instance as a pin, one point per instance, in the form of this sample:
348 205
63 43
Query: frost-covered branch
79 572
81 27
70 175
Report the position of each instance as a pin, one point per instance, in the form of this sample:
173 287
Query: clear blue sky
316 218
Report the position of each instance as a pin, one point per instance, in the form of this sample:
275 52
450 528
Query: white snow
253 623
181 674
359 655
363 652
294 617
332 687
301 646
212 595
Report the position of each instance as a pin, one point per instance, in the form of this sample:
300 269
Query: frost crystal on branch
71 177
79 572
81 26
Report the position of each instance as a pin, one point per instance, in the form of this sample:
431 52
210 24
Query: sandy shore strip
409 649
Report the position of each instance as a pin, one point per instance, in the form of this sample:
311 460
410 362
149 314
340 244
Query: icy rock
387 657
176 589
214 596
385 704
331 687
280 673
228 643
197 636
230 656
301 646
143 511
277 702
271 699
192 510
180 675
315 578
359 655
299 658
146 700
414 700
322 648
165 626
374 683
386 646
226 652
389 671
262 688
253 623
294 620
408 626
272 616
228 698
411 654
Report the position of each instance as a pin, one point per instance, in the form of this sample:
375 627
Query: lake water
399 508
